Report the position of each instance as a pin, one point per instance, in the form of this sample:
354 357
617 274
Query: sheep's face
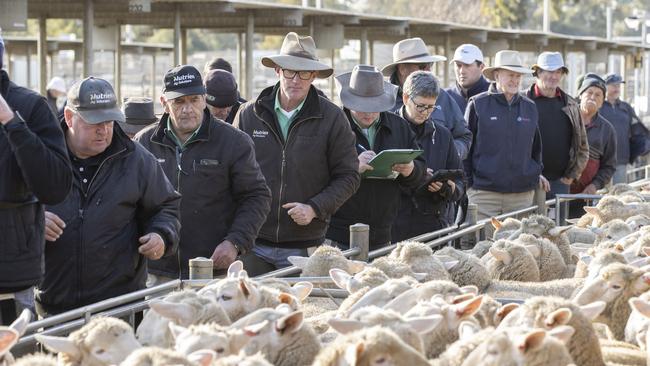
636 222
110 347
153 330
616 279
236 295
498 350
537 225
223 342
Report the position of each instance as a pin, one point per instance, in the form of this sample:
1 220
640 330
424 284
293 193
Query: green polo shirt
285 118
177 140
370 132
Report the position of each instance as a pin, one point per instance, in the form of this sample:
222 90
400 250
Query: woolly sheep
243 360
156 356
9 336
469 270
511 261
280 335
408 329
323 259
183 308
445 289
549 260
481 248
503 229
420 258
369 276
589 267
616 284
639 320
610 208
37 359
470 337
577 234
621 353
543 227
220 339
637 221
396 269
369 347
523 346
378 296
492 312
103 341
631 197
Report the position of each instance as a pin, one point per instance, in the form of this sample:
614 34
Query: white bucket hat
508 60
57 84
410 51
550 61
298 54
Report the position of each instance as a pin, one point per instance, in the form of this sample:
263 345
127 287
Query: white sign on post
139 6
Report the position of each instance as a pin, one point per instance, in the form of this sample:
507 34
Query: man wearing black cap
221 95
212 164
121 210
622 116
138 114
34 170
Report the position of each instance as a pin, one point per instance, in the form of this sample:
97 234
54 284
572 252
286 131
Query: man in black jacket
367 98
34 170
225 198
468 67
121 209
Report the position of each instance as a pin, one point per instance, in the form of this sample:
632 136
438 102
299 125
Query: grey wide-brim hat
410 51
298 54
139 113
507 60
365 90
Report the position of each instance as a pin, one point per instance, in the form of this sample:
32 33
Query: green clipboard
383 162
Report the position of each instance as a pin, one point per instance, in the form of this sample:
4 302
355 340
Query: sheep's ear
234 269
356 266
59 345
559 317
288 299
345 326
515 234
534 250
402 303
640 305
592 210
449 264
506 309
420 276
247 288
298 261
302 289
340 278
20 324
353 352
469 307
255 329
469 289
467 330
638 263
563 333
646 251
620 248
8 337
496 223
532 341
238 339
202 357
426 324
176 330
586 259
177 312
501 255
460 298
559 230
290 323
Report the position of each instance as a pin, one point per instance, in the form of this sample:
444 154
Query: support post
117 77
363 47
447 54
89 22
360 238
177 36
371 51
540 201
184 46
42 54
250 31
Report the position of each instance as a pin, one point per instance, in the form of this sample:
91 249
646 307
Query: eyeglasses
422 107
303 75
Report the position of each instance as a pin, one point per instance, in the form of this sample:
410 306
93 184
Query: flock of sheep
584 288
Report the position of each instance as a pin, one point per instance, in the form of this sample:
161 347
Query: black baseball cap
614 79
181 81
94 99
590 80
221 89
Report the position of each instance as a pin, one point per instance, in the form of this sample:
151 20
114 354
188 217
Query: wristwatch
239 248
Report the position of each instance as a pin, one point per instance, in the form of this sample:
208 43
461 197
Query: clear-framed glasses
303 75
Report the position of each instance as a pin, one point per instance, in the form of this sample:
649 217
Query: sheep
549 312
323 259
396 269
564 288
589 267
612 231
281 335
420 258
242 360
616 284
36 359
639 320
470 337
621 353
156 356
369 347
523 346
543 227
9 336
549 260
409 330
511 261
610 208
577 234
103 341
631 197
436 342
212 336
637 221
620 188
491 312
445 289
481 248
183 308
369 276
378 296
503 229
469 270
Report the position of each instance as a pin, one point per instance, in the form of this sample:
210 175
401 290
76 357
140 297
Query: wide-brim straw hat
410 51
299 54
507 60
365 90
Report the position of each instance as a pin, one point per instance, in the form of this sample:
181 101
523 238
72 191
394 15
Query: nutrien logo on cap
183 79
102 98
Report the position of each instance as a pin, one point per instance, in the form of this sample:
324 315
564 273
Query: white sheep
565 288
156 356
508 260
469 270
637 221
419 257
639 320
544 227
368 277
103 341
323 259
183 308
394 268
448 290
369 347
378 296
481 248
503 229
548 257
222 340
616 284
9 336
242 360
36 359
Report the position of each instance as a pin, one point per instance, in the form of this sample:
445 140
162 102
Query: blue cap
613 78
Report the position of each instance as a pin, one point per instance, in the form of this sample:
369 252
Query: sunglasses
303 75
422 107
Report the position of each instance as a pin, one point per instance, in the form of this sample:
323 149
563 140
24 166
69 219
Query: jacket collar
479 87
160 135
532 93
429 125
500 97
120 144
266 101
